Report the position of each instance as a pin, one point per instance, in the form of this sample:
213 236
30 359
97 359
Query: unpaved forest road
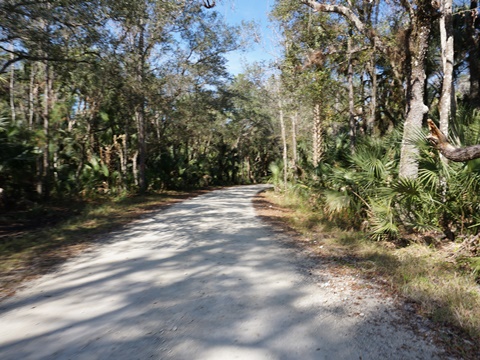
204 279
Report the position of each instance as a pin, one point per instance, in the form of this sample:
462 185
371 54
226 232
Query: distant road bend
204 279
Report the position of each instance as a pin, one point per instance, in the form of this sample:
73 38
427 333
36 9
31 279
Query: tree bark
351 100
43 162
417 47
473 21
140 111
440 142
32 96
294 141
12 91
142 149
284 143
446 37
317 135
371 122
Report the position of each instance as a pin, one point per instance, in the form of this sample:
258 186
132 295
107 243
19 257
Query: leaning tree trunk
440 142
417 46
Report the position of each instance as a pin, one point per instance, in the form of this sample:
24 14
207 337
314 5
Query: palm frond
430 178
407 187
3 124
381 219
337 201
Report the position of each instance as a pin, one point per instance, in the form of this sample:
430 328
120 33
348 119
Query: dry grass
421 274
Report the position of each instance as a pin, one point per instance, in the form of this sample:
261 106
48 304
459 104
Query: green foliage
362 190
17 161
381 220
139 91
276 176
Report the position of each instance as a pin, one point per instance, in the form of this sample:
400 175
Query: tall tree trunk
135 167
371 121
284 144
446 37
417 47
142 149
317 135
140 110
351 94
43 163
120 143
294 141
447 56
12 89
473 21
32 95
445 103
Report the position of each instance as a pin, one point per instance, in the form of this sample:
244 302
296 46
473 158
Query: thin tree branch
8 63
209 3
23 56
348 13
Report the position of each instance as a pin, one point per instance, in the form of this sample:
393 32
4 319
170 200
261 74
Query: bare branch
347 13
317 57
8 63
209 3
19 56
350 15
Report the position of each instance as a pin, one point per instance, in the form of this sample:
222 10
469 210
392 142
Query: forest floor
341 255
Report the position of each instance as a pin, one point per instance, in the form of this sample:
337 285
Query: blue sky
233 12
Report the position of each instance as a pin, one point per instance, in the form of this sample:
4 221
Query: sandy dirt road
204 279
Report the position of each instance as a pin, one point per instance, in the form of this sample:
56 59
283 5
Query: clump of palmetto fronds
363 189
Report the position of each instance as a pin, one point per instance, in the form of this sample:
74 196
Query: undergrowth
424 274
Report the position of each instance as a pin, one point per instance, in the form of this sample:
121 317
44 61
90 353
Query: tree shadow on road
203 280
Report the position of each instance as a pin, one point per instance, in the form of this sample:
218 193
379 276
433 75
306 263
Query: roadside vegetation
431 278
440 277
34 241
358 171
419 235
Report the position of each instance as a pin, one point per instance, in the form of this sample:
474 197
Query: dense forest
102 97
117 97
